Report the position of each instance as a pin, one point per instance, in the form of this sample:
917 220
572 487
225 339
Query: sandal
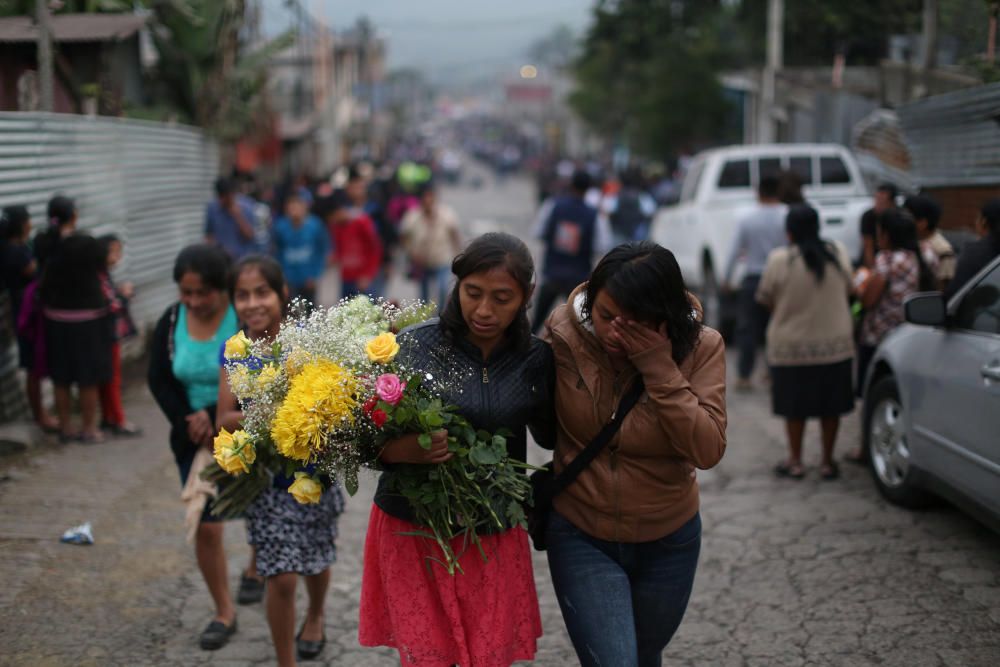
126 430
830 472
793 471
251 590
216 635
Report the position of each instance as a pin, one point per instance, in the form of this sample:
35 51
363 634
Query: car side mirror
928 308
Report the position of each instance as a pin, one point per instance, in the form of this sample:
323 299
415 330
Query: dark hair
631 274
790 187
61 211
424 188
209 262
802 225
899 226
768 187
486 252
888 188
269 269
13 221
581 181
224 186
991 214
922 207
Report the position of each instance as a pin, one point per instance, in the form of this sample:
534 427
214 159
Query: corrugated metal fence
954 139
146 182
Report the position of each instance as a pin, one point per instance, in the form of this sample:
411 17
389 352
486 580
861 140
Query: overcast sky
448 38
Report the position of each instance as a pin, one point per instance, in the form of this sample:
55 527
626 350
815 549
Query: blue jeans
750 325
622 602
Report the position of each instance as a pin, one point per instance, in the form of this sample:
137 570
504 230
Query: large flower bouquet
323 398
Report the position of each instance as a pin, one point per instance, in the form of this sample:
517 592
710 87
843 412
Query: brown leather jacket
642 485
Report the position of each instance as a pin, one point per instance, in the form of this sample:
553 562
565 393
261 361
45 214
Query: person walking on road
184 379
810 339
430 236
624 537
302 246
289 538
884 200
926 214
573 233
758 233
498 376
230 220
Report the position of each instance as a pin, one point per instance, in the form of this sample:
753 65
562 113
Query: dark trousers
750 325
622 602
547 295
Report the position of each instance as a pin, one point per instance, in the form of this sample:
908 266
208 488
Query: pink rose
389 388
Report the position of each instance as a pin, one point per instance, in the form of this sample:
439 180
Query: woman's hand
407 449
200 427
635 337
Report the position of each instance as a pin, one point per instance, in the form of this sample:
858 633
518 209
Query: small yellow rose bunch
306 489
382 349
237 347
234 452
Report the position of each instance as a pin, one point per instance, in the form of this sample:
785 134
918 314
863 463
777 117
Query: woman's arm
871 291
543 420
692 409
165 387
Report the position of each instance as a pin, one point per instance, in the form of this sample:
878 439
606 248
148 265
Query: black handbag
546 485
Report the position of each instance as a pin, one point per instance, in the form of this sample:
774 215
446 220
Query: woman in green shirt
184 379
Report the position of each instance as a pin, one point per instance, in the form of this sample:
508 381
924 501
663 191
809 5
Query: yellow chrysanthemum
320 398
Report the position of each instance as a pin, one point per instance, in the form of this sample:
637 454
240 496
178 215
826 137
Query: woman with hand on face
484 359
289 538
184 379
623 538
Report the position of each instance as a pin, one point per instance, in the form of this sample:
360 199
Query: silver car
932 401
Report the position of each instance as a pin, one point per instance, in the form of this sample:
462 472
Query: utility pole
45 85
775 55
930 30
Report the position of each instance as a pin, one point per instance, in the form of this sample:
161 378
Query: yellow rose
245 447
227 454
383 348
237 347
267 377
307 490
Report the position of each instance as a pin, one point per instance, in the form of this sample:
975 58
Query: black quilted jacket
512 389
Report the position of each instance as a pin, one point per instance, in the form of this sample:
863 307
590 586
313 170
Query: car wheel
887 443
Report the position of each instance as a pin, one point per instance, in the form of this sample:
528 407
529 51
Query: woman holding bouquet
485 361
291 531
623 538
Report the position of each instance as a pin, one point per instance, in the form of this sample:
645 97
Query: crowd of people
822 314
70 318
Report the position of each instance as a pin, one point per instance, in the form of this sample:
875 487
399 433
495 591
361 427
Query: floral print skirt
485 617
291 537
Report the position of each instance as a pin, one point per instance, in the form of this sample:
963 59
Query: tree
647 74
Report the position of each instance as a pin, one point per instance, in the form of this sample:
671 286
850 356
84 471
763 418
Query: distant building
97 62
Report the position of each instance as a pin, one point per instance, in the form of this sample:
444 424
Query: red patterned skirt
486 617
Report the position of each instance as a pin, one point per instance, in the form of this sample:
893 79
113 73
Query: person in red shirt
357 247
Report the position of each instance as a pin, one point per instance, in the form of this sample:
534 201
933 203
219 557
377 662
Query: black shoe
217 635
307 649
251 590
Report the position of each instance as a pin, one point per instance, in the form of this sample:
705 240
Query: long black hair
489 251
802 225
62 213
901 231
646 283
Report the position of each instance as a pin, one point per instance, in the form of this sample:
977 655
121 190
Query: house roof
73 28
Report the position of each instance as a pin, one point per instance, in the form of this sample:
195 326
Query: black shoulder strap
590 452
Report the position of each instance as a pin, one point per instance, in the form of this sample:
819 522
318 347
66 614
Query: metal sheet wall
954 139
146 182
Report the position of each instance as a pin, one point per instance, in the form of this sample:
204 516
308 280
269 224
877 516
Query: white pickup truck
720 187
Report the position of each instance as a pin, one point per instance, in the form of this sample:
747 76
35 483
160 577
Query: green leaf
424 440
351 482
